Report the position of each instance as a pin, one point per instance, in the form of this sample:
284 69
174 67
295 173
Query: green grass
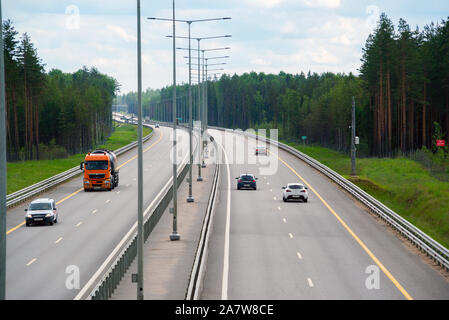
403 185
25 173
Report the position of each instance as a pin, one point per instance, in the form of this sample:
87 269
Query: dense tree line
402 96
406 73
69 110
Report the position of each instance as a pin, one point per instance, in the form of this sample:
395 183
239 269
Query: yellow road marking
15 228
81 189
135 157
360 242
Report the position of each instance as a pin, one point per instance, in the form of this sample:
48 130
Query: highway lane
39 258
328 248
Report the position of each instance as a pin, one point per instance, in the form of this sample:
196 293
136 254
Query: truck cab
100 170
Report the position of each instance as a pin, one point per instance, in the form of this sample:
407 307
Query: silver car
41 211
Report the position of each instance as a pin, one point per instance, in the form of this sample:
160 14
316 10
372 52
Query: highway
39 258
328 248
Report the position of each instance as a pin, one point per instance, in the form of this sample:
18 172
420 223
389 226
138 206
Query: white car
295 191
42 211
261 150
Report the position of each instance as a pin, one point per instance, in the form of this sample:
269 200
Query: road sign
441 143
304 137
357 140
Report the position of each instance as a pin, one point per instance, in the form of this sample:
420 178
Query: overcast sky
267 35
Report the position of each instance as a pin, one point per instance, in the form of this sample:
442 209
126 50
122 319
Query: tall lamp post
175 235
140 239
189 23
206 100
199 93
201 104
2 167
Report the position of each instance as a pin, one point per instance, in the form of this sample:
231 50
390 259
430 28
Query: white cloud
261 62
264 3
121 33
330 4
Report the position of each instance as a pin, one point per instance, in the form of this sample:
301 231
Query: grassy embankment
26 173
402 184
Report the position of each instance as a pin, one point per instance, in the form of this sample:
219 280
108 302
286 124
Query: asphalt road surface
43 260
328 248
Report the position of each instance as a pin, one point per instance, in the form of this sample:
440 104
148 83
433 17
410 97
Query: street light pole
199 116
140 164
190 196
189 22
175 235
203 164
2 167
353 147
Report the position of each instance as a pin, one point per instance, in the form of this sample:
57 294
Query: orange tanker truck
100 170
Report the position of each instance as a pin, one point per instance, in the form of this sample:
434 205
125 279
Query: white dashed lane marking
31 262
310 282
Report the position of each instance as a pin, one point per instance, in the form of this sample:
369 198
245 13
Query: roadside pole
190 196
353 148
174 236
140 163
2 167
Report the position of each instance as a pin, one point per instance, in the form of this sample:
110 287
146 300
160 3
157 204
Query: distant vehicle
261 150
246 181
100 170
42 211
295 191
156 125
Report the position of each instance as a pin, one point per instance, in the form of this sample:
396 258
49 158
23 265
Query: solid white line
31 262
79 223
299 255
59 240
95 211
224 283
310 282
290 235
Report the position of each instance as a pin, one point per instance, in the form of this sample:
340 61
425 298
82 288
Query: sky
267 35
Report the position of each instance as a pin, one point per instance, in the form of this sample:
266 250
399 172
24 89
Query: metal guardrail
102 284
196 276
421 240
33 190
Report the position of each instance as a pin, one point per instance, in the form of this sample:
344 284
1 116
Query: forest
401 95
63 113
